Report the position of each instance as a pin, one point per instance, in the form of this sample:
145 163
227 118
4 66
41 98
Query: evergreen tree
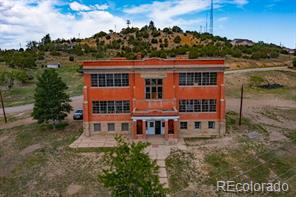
294 62
130 172
46 39
51 101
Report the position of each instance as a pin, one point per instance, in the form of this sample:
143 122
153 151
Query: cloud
81 7
240 2
166 13
78 6
26 20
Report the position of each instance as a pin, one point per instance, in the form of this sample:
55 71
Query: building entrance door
158 127
150 127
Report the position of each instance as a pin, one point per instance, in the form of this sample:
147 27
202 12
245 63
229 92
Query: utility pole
212 18
241 105
3 108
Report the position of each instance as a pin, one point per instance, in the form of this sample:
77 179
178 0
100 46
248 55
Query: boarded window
111 127
97 127
124 126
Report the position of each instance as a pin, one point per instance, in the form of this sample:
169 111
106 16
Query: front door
150 128
158 127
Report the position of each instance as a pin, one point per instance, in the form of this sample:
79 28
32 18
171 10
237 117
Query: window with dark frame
110 107
109 80
111 126
198 78
97 127
197 125
211 125
204 105
124 126
153 88
183 125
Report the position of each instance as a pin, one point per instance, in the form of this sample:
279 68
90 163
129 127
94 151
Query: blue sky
259 20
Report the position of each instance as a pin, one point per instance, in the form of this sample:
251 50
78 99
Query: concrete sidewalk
159 149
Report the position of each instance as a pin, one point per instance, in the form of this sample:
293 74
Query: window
211 125
94 80
110 107
109 80
183 125
212 107
205 105
111 127
97 127
124 126
206 78
153 88
197 125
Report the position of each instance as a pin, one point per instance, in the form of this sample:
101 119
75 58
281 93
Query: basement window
183 125
97 127
111 127
211 125
197 125
124 126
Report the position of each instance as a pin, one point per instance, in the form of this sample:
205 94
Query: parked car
78 114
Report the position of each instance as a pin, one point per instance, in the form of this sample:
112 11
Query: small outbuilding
53 66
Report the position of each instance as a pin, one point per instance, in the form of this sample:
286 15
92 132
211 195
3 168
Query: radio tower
212 18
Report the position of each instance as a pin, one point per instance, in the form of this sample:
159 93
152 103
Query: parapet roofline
154 62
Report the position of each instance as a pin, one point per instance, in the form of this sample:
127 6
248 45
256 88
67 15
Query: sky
271 21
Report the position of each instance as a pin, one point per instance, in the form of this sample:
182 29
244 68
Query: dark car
78 114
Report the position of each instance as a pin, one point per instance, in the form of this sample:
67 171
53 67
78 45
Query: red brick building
166 97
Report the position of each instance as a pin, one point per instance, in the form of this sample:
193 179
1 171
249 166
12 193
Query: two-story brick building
165 97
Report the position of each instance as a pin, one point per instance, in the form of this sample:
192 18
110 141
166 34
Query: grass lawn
36 161
24 94
252 79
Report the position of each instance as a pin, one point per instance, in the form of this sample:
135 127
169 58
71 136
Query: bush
177 39
55 53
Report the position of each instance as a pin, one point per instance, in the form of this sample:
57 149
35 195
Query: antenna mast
212 18
128 22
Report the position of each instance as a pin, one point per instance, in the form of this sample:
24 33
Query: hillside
19 68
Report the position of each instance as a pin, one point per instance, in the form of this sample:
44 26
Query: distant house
242 42
53 66
290 51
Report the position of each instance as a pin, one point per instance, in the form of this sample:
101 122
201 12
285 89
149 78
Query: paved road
76 103
259 69
77 100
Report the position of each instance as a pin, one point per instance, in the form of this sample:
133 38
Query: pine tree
130 172
51 101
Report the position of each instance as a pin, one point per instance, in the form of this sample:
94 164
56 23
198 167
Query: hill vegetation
21 67
146 41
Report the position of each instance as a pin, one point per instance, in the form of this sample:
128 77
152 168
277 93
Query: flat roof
116 62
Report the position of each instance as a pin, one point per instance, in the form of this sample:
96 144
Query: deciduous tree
130 172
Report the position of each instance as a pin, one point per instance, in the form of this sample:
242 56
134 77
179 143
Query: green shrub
177 39
294 62
256 80
71 58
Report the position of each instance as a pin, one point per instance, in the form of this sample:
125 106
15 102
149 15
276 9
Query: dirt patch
3 138
30 149
73 189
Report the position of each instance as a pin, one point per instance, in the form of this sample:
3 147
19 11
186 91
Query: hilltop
150 41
